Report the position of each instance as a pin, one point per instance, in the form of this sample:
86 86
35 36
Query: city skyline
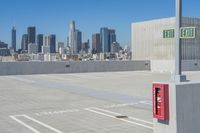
90 16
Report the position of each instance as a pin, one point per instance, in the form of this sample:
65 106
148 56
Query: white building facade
148 42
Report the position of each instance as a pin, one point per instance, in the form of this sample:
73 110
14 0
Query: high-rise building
52 43
77 42
24 42
13 32
40 42
107 37
104 38
96 44
31 34
112 38
71 43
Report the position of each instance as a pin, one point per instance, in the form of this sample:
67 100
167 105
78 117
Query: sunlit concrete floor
79 103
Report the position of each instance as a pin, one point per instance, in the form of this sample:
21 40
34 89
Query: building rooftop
113 102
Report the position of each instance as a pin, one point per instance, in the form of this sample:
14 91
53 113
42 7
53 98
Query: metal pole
178 73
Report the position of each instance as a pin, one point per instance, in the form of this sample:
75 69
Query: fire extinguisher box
161 101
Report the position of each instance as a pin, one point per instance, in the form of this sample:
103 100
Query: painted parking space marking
65 111
146 102
133 118
60 112
14 117
120 105
134 121
24 124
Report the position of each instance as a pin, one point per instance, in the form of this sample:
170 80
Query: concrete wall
22 68
148 42
169 65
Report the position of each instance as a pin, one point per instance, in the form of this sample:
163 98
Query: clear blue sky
53 16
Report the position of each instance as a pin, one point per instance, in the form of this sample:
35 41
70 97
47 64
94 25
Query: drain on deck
121 116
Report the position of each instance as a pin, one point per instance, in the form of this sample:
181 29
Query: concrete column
184 109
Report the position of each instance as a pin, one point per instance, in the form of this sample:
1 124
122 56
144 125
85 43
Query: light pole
178 52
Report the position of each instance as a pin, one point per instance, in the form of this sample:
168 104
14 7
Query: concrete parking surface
113 102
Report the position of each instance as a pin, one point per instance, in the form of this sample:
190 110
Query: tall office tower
96 44
40 42
52 43
77 42
71 43
112 38
31 34
13 32
104 39
24 42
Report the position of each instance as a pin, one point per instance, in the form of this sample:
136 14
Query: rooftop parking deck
113 102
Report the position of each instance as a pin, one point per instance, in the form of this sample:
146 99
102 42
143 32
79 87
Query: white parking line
24 124
43 124
36 121
146 102
133 118
60 112
114 117
119 105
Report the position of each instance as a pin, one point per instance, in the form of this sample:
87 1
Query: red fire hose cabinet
161 101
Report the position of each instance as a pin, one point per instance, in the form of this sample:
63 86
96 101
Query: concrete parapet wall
25 68
169 65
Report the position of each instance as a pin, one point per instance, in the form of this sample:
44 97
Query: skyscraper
112 38
96 44
13 32
72 37
31 34
104 38
24 42
77 41
52 43
40 42
107 37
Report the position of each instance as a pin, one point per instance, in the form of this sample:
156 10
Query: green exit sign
188 32
185 33
168 33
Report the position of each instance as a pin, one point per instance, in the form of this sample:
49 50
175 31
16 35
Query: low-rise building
4 52
32 48
115 47
45 49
